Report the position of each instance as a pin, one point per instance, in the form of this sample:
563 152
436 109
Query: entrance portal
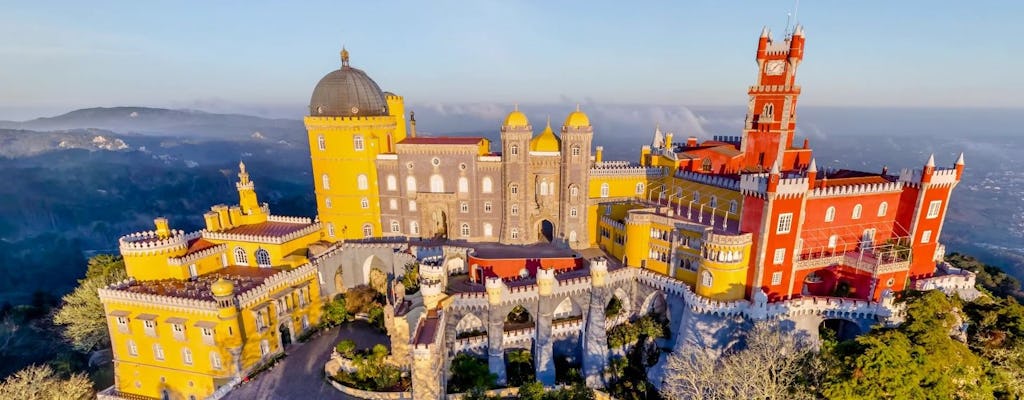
439 224
286 335
546 233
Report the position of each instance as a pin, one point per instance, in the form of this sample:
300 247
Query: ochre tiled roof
197 245
198 288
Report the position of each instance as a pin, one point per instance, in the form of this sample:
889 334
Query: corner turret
546 281
495 290
598 271
959 166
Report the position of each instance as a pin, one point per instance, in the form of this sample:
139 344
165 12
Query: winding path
300 375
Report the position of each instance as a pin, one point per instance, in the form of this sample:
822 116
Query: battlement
764 89
717 239
116 293
150 243
273 239
619 168
856 189
707 179
754 184
274 282
613 223
489 158
727 139
193 257
290 220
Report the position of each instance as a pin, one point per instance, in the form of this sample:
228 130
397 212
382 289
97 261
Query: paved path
298 376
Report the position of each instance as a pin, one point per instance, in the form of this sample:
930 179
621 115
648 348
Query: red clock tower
771 113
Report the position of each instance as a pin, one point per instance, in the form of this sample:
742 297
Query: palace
701 233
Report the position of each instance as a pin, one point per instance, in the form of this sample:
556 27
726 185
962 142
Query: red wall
508 268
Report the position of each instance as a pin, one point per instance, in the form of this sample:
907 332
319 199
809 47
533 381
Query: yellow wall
289 254
729 278
342 163
724 196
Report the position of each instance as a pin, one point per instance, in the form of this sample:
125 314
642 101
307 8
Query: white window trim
934 209
784 224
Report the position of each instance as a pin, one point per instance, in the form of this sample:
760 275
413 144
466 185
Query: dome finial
515 107
344 57
577 106
549 121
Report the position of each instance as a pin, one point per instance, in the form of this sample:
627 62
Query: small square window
780 256
776 277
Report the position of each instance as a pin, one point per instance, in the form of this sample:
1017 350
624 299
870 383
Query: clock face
775 67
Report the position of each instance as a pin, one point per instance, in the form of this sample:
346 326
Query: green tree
532 391
335 312
468 372
346 348
82 314
521 362
39 382
614 307
361 299
411 278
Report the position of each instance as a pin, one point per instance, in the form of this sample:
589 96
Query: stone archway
374 275
841 328
438 224
286 334
545 231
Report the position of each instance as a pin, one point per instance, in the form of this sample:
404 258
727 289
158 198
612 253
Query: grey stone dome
347 92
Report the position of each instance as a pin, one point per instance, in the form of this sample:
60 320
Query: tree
335 312
82 314
768 367
468 372
518 359
346 348
531 391
39 382
360 299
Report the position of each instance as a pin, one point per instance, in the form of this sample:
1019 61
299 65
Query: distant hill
23 143
166 122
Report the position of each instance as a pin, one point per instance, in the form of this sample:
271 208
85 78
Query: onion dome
347 92
222 288
577 119
546 140
516 118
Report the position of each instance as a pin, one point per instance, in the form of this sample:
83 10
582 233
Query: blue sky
265 57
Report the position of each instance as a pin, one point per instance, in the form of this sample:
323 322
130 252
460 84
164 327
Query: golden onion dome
516 118
546 140
222 287
577 119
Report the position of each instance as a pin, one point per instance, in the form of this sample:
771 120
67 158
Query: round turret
516 118
222 288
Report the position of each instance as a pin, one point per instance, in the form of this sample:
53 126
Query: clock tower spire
771 112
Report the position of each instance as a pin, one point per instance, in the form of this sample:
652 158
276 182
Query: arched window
830 214
364 202
328 203
733 206
882 209
696 196
714 202
436 183
464 230
488 230
186 356
551 188
768 112
240 257
857 211
392 183
330 229
515 209
357 142
488 207
833 241
263 258
367 230
410 184
542 188
706 165
486 185
325 181
215 359
573 212
321 142
414 228
574 192
706 279
575 150
412 205
395 226
513 150
393 204
463 185
513 188
361 182
464 207
604 190
640 188
572 237
514 233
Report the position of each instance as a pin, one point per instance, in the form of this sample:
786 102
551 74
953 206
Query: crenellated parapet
711 180
856 190
119 292
612 168
149 243
288 219
275 282
754 184
227 236
196 256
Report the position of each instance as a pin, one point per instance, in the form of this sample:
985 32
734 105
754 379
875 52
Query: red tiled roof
456 140
267 229
244 279
864 180
197 245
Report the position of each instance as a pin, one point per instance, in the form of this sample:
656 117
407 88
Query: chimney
691 141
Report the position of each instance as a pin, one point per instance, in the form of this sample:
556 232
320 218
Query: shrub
346 348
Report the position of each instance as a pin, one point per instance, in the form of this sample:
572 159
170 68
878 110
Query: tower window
785 223
487 207
513 188
393 204
776 277
133 349
514 233
412 205
605 189
857 210
436 183
410 184
263 258
414 228
542 188
367 231
357 142
361 182
330 229
488 230
514 210
706 279
240 257
768 111
575 150
696 197
328 203
321 142
395 226
364 202
186 356
640 188
706 165
325 181
733 206
714 202
464 207
883 209
513 150
934 208
392 183
830 214
926 237
833 241
574 192
464 230
486 185
463 185
215 359
780 256
573 212
158 352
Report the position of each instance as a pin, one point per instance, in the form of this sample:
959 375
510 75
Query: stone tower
577 135
515 151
